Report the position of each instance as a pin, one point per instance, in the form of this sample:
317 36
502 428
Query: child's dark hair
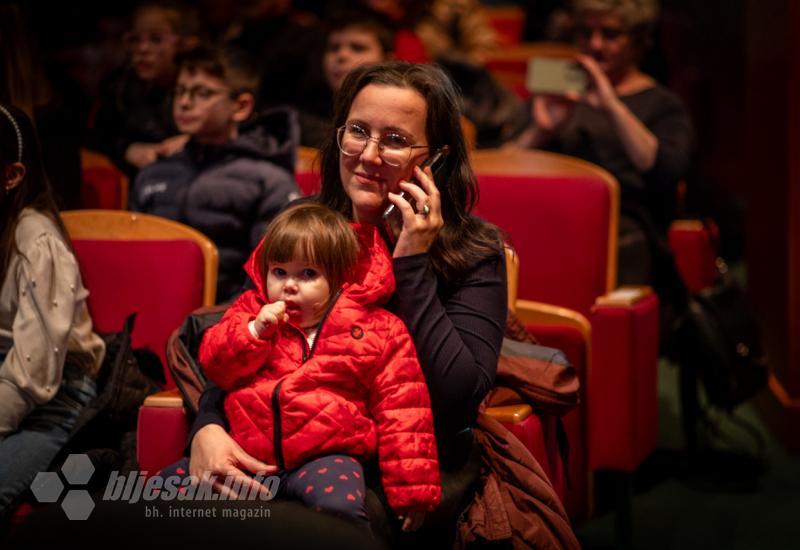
366 19
17 132
182 17
311 232
232 65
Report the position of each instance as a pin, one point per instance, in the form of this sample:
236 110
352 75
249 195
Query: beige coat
43 316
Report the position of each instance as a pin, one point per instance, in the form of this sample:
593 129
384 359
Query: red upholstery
576 496
160 436
562 221
103 185
162 281
693 245
507 21
309 182
624 427
408 47
101 188
561 216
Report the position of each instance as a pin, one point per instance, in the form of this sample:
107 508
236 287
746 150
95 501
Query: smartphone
557 76
392 218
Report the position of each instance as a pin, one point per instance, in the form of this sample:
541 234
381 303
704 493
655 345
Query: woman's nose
596 40
371 152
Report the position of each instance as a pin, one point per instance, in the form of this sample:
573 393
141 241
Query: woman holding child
449 268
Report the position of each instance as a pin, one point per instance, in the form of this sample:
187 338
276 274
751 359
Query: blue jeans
41 435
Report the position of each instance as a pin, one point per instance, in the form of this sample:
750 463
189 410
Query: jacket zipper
276 403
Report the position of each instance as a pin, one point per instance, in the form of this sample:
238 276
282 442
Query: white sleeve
48 281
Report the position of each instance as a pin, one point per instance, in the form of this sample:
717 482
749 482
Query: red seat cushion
101 187
559 227
161 281
308 182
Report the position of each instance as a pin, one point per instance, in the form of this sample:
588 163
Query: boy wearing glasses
235 172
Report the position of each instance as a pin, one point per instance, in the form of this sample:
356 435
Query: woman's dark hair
464 240
34 190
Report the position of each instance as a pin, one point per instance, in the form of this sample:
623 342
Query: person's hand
412 521
215 453
420 228
270 316
551 112
172 145
600 93
142 154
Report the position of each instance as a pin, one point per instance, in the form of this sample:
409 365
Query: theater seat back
135 263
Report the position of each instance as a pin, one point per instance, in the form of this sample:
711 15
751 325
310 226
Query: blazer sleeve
229 353
400 405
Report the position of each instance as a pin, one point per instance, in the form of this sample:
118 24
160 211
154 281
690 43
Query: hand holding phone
392 217
555 76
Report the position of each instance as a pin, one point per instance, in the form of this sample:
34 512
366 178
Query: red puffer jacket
358 390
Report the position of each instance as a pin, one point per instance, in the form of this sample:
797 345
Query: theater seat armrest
161 431
623 409
510 413
624 296
540 313
170 399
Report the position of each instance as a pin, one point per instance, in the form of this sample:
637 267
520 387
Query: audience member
354 38
133 122
346 371
235 172
626 123
448 266
49 355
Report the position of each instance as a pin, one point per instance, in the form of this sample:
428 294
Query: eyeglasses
585 32
133 39
197 93
393 148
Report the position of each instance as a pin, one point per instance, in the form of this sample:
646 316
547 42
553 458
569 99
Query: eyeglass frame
178 93
340 133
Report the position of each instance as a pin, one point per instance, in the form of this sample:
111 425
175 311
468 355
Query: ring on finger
426 209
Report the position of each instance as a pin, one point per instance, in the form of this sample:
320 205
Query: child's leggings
331 483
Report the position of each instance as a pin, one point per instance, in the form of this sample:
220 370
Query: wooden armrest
624 296
540 313
171 399
510 413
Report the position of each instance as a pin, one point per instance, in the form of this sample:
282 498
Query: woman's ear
14 174
244 105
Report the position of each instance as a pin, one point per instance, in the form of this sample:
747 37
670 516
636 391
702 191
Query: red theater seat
103 185
160 269
306 170
561 215
509 65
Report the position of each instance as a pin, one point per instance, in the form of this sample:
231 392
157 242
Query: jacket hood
272 135
370 282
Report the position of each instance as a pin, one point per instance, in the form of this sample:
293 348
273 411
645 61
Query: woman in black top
449 267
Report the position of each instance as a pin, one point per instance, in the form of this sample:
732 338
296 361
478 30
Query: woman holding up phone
449 266
626 123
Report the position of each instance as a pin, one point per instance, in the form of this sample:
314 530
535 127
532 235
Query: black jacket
228 192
